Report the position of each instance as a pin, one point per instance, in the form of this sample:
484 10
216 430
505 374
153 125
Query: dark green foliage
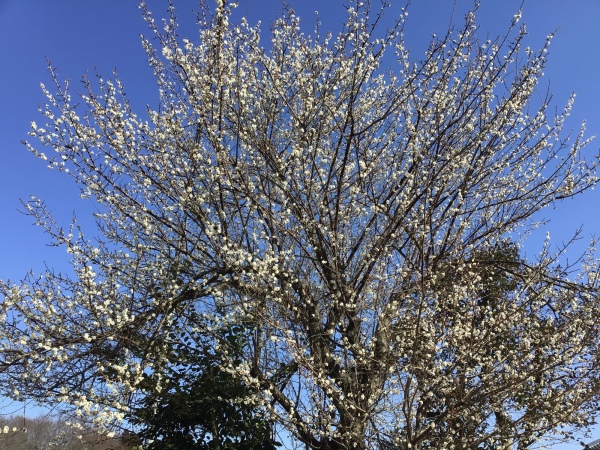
200 406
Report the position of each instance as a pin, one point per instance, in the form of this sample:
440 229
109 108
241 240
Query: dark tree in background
197 406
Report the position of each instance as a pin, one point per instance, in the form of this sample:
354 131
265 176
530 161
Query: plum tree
355 207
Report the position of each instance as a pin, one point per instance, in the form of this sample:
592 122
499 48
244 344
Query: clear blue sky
84 36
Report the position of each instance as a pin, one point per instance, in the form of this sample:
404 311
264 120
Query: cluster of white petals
351 206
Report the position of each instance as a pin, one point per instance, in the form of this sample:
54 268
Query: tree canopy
355 209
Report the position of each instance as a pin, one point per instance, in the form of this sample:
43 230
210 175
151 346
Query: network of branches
328 225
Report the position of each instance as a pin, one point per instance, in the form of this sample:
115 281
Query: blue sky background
87 36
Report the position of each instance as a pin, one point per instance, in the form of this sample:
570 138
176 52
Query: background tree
351 213
42 433
198 404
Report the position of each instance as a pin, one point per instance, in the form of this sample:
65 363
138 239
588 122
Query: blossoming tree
355 210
